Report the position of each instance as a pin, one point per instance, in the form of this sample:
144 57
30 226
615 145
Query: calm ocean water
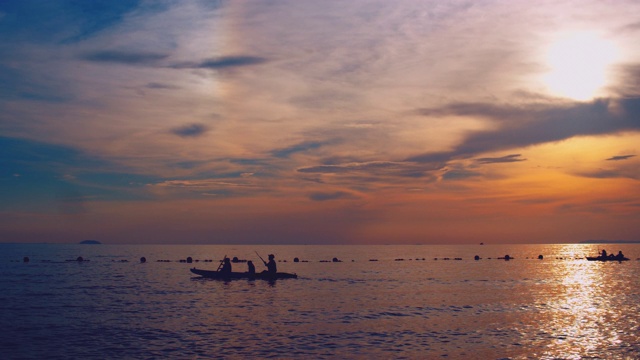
113 306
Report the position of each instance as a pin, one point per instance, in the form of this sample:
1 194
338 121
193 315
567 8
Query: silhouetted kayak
606 258
242 275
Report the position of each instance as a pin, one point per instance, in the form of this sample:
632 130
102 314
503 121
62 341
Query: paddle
221 263
264 262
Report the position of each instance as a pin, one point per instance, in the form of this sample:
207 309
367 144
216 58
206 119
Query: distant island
610 242
90 242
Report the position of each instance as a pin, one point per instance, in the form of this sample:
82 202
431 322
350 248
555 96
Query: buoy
25 259
540 257
189 260
296 260
143 260
476 257
507 257
79 259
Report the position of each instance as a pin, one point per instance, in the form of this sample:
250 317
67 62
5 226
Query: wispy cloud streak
222 62
191 130
125 57
620 157
502 159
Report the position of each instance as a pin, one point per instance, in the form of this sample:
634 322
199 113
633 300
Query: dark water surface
112 306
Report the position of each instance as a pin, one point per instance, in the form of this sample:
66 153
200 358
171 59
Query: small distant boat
211 274
607 258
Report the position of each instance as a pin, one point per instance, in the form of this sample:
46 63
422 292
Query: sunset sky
325 122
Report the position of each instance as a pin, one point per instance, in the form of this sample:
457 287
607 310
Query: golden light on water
583 316
578 64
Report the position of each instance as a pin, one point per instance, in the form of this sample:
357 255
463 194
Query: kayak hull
600 258
210 274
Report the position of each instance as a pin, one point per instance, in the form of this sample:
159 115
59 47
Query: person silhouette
271 265
226 266
252 268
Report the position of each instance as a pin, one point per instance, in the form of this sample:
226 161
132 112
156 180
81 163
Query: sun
578 65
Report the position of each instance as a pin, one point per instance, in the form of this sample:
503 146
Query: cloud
191 130
225 187
632 27
378 168
44 176
628 80
189 164
460 175
248 162
502 159
603 174
95 17
522 126
222 62
620 157
302 147
202 184
324 196
619 170
61 21
124 57
16 83
157 85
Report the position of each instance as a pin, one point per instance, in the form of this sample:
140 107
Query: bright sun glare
578 65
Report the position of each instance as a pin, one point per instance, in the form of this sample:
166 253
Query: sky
319 122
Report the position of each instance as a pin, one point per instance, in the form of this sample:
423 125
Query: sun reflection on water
584 320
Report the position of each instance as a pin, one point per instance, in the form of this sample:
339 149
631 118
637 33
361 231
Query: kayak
210 274
606 258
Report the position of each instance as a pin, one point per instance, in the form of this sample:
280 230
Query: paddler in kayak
226 266
271 265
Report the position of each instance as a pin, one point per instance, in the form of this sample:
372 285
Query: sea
348 302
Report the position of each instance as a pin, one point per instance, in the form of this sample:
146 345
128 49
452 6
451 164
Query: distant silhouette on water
226 266
620 255
603 256
252 268
271 265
